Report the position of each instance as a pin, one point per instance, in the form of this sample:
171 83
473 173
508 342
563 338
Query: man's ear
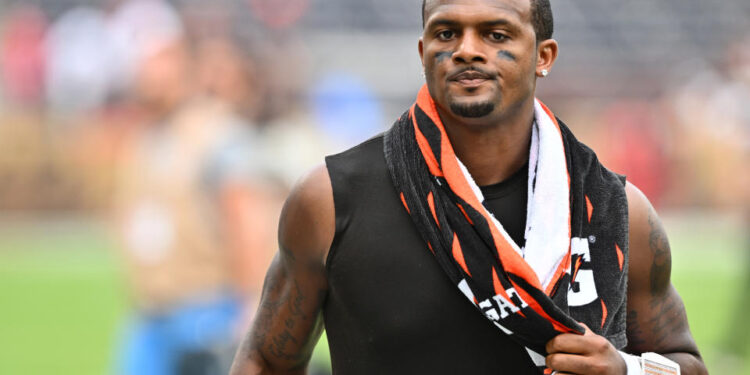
420 45
546 56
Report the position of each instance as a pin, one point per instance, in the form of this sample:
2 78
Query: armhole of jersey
340 173
337 210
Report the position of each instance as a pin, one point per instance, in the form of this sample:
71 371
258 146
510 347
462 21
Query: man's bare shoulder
307 223
645 231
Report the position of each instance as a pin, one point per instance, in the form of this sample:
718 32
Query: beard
472 110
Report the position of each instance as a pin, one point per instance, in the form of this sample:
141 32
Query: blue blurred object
189 339
345 108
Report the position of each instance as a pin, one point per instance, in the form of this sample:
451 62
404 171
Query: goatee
472 110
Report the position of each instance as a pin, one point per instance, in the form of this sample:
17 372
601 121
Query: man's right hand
289 318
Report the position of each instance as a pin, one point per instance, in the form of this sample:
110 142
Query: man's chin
472 109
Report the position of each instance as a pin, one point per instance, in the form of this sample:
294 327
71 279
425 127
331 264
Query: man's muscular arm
656 318
289 321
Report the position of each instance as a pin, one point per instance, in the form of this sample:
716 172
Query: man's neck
494 151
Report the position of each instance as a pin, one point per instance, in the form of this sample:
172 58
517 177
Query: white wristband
653 363
650 363
632 362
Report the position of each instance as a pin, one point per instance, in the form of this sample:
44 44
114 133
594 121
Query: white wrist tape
649 364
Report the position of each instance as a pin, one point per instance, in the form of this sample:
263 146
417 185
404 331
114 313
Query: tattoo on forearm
662 264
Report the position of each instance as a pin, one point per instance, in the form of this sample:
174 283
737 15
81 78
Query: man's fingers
573 343
567 363
577 364
567 343
563 341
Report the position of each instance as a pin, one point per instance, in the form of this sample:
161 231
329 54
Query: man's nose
470 50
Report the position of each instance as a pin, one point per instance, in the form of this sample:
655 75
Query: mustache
471 72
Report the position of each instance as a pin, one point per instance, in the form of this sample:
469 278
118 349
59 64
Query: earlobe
547 54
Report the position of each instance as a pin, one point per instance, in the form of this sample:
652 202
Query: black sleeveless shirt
390 307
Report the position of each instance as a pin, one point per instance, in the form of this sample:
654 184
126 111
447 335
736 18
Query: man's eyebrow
441 22
483 24
497 22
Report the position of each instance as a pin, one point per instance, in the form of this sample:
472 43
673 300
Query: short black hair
541 18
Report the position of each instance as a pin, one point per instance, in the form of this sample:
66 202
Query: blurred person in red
191 208
634 146
22 55
476 236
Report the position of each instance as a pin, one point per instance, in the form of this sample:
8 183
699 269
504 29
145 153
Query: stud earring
544 72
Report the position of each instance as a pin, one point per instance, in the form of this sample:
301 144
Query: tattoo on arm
284 296
277 345
668 318
662 264
665 315
268 308
635 333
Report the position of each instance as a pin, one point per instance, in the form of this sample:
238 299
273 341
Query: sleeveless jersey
390 307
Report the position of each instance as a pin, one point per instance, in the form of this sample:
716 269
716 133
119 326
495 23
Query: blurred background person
191 204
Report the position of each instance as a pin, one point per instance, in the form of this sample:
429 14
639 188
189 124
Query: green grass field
62 297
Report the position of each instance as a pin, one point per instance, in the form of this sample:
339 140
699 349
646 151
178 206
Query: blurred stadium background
146 147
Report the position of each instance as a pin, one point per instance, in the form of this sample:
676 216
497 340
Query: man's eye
446 35
498 37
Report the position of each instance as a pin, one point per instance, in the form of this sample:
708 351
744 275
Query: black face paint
441 56
506 55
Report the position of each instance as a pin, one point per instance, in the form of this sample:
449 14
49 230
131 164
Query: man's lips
470 82
470 77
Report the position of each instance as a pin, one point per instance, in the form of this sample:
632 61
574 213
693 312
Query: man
478 182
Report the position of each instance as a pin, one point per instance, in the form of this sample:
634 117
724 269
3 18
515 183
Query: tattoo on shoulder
662 264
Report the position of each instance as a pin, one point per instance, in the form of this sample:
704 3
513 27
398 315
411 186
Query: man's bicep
289 320
656 319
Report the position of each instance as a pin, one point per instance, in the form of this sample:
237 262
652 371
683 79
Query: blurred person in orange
191 206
